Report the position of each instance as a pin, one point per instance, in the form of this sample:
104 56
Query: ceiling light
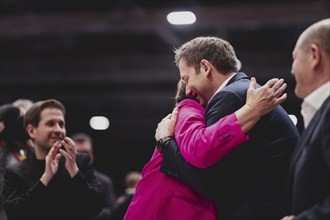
181 17
99 123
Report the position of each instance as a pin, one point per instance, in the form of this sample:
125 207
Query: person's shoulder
239 85
17 167
102 176
189 106
187 101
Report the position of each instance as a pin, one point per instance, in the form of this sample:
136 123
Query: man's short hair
32 116
217 51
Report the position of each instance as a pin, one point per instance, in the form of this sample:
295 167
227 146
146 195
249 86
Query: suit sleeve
203 146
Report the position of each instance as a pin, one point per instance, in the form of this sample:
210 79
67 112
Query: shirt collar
313 102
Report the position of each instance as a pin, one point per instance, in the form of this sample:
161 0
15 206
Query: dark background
115 58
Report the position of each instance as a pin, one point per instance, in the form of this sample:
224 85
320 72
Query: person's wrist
45 179
163 142
74 172
252 111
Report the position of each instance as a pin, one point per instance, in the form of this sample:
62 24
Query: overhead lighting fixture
99 123
181 17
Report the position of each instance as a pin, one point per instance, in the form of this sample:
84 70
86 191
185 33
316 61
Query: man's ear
30 130
315 55
205 66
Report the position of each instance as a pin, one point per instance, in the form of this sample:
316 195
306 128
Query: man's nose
58 128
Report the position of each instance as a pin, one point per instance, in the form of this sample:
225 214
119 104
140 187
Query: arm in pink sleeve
203 146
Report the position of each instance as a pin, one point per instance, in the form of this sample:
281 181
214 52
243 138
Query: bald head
318 34
311 58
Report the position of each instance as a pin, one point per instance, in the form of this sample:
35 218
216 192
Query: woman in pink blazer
159 196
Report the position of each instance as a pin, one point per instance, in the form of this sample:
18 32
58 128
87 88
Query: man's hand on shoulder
166 126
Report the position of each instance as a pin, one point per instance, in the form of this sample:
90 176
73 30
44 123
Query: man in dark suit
249 183
310 164
84 144
54 181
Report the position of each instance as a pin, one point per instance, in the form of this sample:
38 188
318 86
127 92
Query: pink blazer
159 196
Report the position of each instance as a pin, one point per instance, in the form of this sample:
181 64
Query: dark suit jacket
310 169
250 182
108 193
64 198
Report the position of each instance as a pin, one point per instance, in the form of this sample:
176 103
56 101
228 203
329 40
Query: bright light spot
294 119
239 65
99 123
181 17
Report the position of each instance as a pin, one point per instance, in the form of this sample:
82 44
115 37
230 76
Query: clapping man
54 182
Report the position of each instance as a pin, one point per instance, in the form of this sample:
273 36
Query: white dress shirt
313 102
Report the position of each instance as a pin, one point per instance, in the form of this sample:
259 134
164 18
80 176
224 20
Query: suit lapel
307 134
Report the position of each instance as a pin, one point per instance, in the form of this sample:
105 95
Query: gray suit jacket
310 169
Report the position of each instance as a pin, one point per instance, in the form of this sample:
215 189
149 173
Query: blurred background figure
14 141
84 144
122 203
23 104
52 182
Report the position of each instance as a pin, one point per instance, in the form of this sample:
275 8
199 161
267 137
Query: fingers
69 141
276 87
53 151
281 99
167 125
281 88
68 144
278 84
65 154
270 83
167 117
57 158
175 114
253 83
70 152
